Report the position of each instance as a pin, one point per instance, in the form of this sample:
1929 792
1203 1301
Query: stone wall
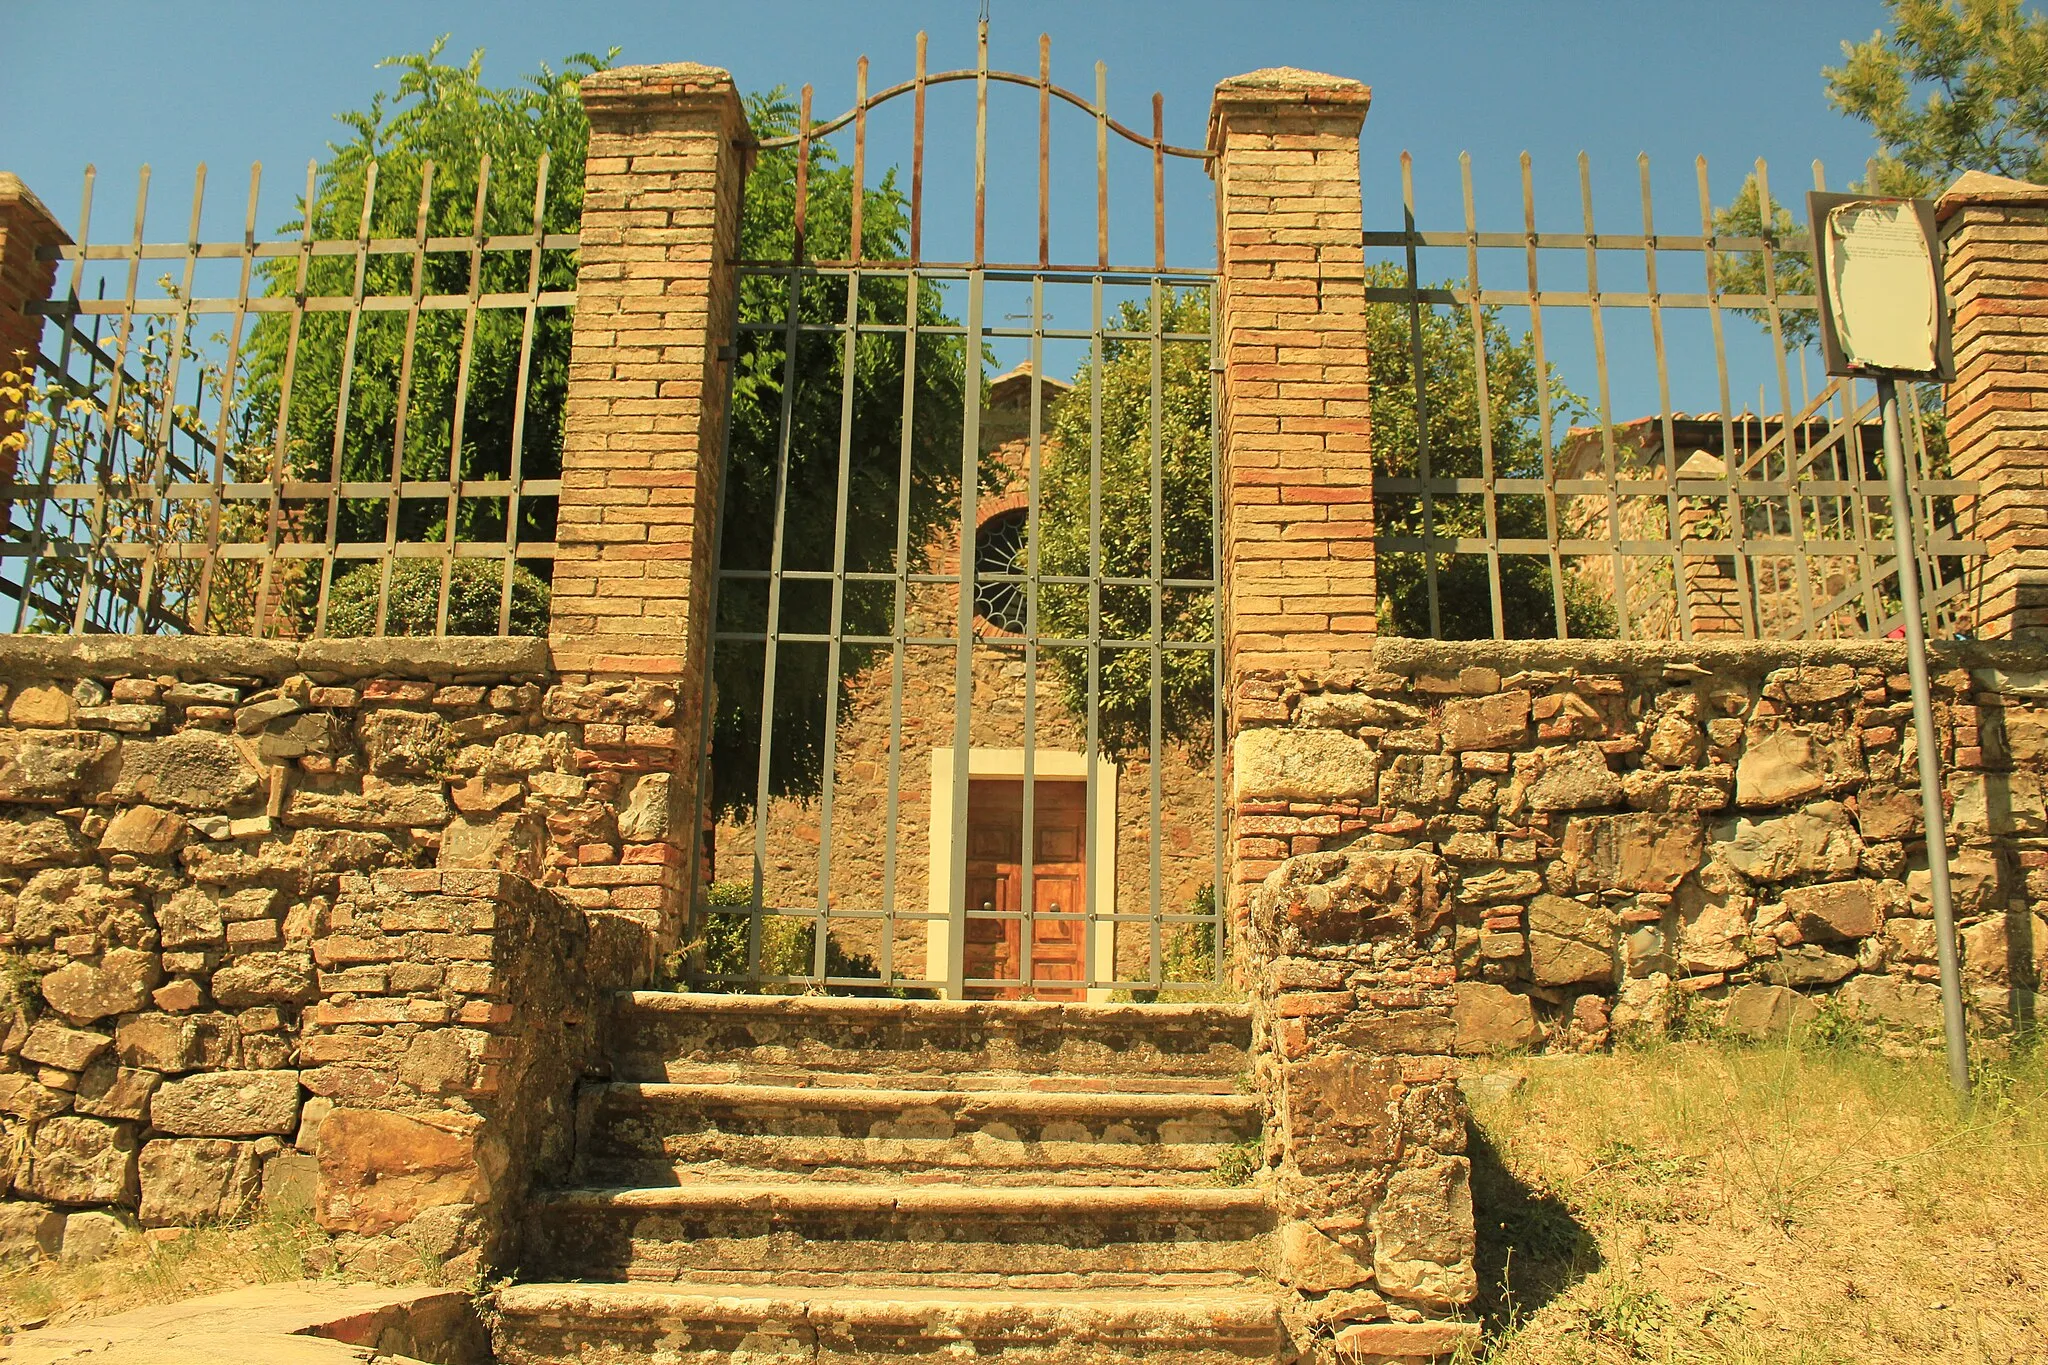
311 922
1624 835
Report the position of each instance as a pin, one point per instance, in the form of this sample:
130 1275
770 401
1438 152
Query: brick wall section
1995 238
25 226
1297 432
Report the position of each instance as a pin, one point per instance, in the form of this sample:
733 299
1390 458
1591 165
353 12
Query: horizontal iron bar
289 248
311 303
1750 548
1579 241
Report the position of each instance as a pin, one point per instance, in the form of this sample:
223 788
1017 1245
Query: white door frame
945 929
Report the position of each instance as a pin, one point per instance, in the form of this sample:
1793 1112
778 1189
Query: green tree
434 135
1957 85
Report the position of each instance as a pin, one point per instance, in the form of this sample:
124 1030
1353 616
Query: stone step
821 1234
688 1037
633 1133
710 1324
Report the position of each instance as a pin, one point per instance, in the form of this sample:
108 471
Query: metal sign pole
1930 754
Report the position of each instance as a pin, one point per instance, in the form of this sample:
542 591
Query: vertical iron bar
88 587
829 763
899 622
963 648
1156 562
1745 570
1102 165
1027 934
274 535
1219 891
1681 599
515 461
1610 458
1044 150
158 523
1423 467
456 458
1795 502
981 144
404 405
1482 385
1158 181
216 506
855 232
1551 525
1092 722
348 368
917 157
764 772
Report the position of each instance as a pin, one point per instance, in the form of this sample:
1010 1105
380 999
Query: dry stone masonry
1610 837
314 923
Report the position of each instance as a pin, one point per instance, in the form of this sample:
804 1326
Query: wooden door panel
995 877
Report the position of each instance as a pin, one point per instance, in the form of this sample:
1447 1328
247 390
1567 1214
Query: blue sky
124 82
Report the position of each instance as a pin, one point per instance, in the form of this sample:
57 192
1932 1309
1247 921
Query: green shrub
474 588
788 946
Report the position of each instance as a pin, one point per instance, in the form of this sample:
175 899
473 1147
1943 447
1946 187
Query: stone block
1341 1110
1783 767
1422 1232
82 1161
401 743
1356 895
29 1230
228 1104
2006 950
51 1044
120 984
1351 710
1570 943
283 978
53 765
1312 1263
144 831
109 1090
40 706
1893 1000
189 1182
26 1098
1574 778
380 805
290 1182
1418 782
379 1170
1835 912
193 771
90 1237
1767 1013
1303 765
30 845
1997 803
1809 965
1492 1018
1500 721
70 900
1640 851
645 813
1819 841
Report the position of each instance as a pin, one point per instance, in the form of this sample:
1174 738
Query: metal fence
1655 459
967 735
353 430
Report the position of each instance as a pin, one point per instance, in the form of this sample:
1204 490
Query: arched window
999 549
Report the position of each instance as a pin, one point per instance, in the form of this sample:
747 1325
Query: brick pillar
655 290
1995 239
25 226
1712 597
1296 409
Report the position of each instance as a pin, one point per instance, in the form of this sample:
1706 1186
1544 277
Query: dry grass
142 1271
1706 1202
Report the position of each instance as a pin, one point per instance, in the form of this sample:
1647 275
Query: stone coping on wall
1647 657
438 659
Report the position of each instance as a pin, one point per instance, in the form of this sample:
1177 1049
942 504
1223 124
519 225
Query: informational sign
1878 268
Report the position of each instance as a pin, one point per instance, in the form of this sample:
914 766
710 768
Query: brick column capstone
1995 243
25 228
643 445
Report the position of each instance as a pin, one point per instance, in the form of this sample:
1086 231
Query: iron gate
966 730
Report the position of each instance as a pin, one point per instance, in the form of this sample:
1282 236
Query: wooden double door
995 883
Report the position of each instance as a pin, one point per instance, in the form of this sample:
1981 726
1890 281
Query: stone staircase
788 1178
